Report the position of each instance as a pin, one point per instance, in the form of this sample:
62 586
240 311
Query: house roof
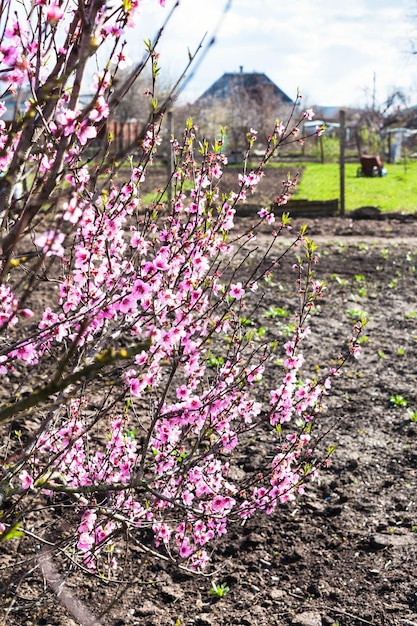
254 84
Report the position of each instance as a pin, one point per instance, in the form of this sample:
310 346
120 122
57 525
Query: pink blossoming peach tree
110 309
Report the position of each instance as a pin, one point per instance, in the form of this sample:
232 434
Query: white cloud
331 50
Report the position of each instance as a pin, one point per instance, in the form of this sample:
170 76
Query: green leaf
12 533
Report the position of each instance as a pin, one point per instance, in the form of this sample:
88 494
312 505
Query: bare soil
346 552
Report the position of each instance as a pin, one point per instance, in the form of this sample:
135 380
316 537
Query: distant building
253 86
238 101
397 139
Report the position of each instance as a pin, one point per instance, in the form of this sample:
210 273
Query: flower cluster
160 283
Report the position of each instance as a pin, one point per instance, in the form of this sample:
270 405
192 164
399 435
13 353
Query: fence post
342 161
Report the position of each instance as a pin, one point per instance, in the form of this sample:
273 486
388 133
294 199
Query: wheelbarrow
371 165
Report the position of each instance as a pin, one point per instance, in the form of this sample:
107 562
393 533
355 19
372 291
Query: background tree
373 122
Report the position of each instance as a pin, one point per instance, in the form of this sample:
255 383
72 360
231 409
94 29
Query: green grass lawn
395 192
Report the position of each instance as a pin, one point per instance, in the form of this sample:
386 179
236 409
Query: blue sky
331 50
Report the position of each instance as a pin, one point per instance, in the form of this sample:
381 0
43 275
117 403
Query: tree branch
42 394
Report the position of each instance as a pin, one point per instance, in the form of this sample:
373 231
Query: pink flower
187 498
355 350
185 550
51 243
72 211
162 532
292 438
279 128
220 503
127 304
85 542
236 291
141 359
183 392
137 175
66 118
85 132
54 13
26 480
101 110
25 313
88 521
317 286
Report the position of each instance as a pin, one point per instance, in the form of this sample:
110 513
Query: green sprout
412 414
398 400
219 591
356 314
276 311
215 361
359 278
340 281
246 321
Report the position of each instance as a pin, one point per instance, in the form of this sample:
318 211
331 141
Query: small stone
309 618
203 620
295 554
276 594
380 540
